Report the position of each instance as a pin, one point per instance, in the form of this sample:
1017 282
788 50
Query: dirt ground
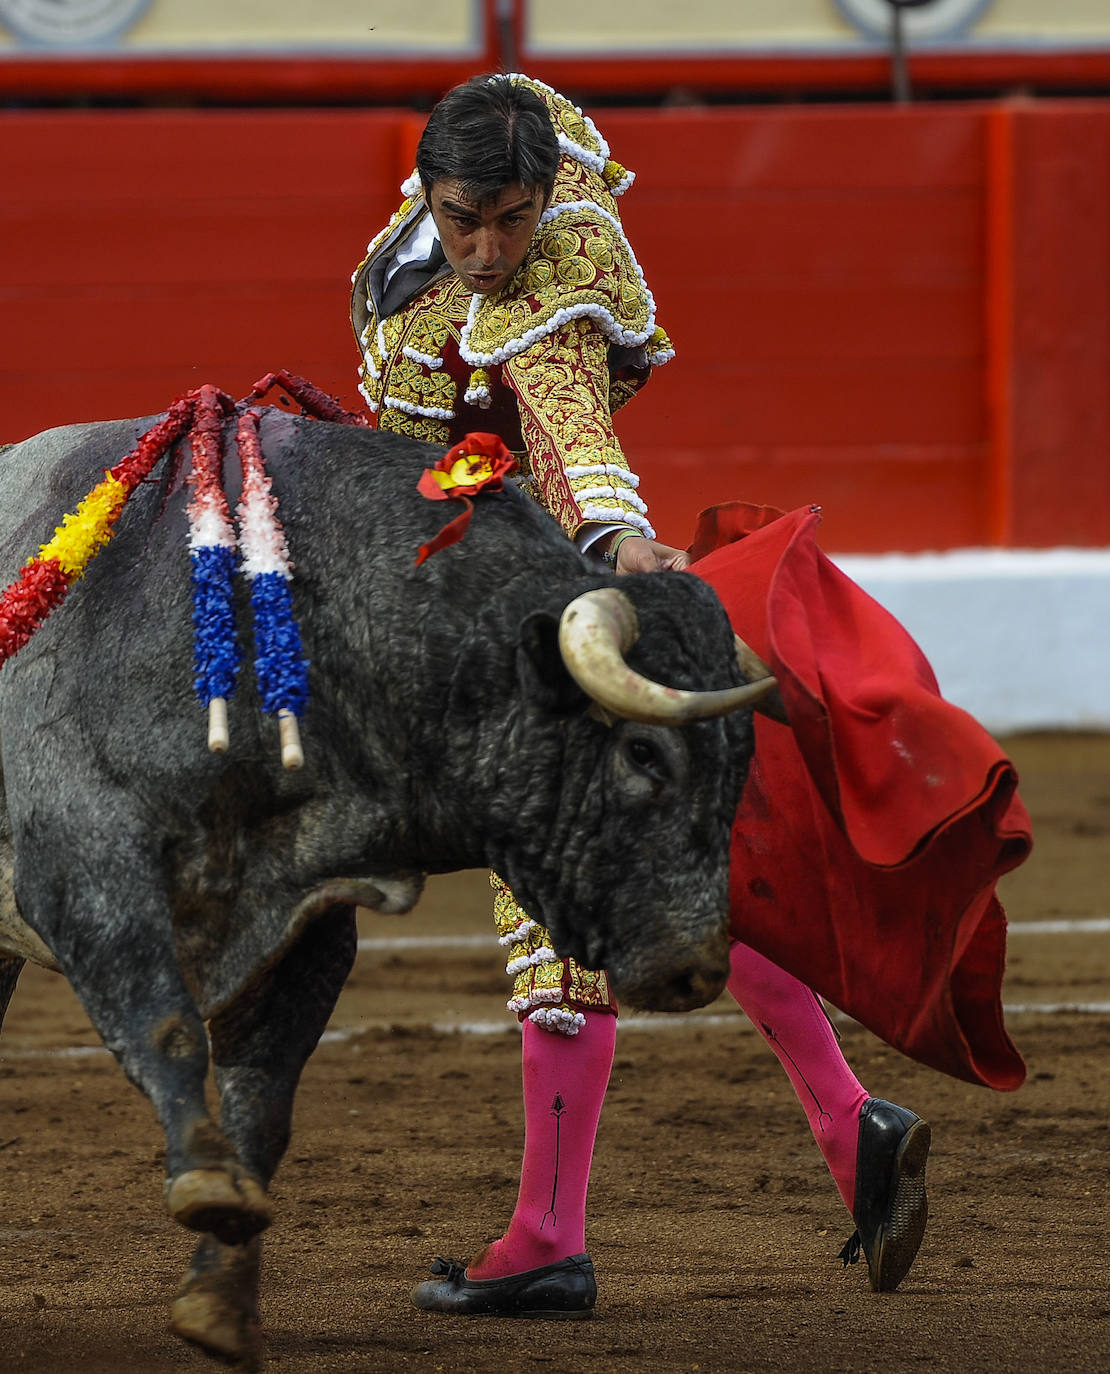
713 1225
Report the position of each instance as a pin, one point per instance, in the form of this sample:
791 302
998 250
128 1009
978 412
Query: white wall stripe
976 611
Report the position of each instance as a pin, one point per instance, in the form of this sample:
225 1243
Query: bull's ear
543 675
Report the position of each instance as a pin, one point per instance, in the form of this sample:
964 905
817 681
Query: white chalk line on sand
1084 925
691 1020
1087 925
1095 925
507 1025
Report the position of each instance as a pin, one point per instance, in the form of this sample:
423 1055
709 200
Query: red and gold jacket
546 361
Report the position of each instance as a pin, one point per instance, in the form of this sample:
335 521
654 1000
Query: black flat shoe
566 1290
891 1205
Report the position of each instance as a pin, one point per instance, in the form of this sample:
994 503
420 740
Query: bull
502 705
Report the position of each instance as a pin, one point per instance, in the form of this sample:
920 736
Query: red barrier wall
898 314
144 253
822 275
1057 464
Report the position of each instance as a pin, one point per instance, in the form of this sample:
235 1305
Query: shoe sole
557 1316
907 1211
437 1296
549 1314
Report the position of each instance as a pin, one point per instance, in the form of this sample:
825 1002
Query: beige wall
658 26
595 27
613 25
1082 20
360 27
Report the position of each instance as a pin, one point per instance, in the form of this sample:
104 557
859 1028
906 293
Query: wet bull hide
174 887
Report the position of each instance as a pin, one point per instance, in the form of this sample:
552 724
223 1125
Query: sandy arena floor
714 1227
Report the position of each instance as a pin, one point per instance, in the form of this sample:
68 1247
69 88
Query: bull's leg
111 934
146 1017
10 970
261 1043
216 1306
259 1047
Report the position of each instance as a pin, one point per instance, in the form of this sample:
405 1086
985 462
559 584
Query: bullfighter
504 296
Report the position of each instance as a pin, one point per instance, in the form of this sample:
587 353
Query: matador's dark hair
487 134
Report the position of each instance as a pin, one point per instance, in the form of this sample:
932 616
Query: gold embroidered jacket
546 361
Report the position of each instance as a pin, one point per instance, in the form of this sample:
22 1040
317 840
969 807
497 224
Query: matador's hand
637 554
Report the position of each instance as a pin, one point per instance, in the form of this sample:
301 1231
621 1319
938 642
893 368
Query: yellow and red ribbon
478 463
45 578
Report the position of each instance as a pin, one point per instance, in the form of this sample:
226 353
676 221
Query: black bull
173 887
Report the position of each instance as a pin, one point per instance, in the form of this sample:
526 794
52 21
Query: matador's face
485 244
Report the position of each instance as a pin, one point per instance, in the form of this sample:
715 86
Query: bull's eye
647 758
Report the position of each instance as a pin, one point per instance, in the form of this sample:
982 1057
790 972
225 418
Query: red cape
873 830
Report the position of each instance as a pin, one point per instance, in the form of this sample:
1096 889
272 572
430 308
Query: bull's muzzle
683 983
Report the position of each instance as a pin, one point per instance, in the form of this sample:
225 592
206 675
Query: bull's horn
755 670
596 630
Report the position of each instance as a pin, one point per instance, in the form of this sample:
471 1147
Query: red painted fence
902 315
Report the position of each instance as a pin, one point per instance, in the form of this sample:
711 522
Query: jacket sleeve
562 389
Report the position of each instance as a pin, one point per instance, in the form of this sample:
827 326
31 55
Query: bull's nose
695 987
676 988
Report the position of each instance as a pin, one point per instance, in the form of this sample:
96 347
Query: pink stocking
565 1078
790 1018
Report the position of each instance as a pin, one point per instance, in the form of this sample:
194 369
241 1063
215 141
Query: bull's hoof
216 1307
231 1207
204 1321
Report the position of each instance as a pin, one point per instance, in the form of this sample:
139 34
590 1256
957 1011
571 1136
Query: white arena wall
1021 639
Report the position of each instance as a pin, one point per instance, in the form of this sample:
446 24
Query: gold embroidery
576 271
539 274
590 184
438 389
405 377
576 182
574 126
429 333
621 392
562 985
562 389
559 243
631 299
425 326
590 266
392 329
421 427
599 253
415 384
